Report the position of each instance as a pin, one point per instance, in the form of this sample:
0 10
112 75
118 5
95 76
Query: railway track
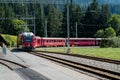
11 65
97 71
87 57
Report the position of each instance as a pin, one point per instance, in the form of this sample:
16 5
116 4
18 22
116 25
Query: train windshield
28 38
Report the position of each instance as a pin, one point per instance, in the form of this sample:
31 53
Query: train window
28 38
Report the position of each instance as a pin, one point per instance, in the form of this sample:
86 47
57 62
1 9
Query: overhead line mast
68 27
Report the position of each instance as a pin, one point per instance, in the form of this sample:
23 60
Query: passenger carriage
53 42
82 41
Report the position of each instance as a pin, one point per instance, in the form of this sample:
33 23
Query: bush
107 33
116 42
111 42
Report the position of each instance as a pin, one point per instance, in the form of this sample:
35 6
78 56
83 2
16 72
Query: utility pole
76 29
34 18
68 26
26 10
34 24
46 28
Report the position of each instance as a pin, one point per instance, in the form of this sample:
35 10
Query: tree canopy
94 18
115 23
18 26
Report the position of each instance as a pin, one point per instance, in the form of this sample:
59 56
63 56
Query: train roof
27 33
83 38
52 38
73 38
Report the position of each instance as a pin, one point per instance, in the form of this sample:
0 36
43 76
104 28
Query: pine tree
2 14
72 20
79 17
72 14
91 19
64 22
105 15
40 20
54 22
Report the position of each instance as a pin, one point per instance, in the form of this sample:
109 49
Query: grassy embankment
110 53
10 39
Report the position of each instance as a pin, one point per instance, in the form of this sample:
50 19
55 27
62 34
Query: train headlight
28 45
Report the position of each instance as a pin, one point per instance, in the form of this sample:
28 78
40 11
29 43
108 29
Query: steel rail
101 72
11 65
87 57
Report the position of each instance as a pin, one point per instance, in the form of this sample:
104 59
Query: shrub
111 42
116 42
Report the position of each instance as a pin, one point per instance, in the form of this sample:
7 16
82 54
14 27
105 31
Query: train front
29 41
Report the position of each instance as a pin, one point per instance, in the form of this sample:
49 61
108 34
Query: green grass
10 39
109 53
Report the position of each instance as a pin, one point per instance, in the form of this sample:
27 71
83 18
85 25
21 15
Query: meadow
109 53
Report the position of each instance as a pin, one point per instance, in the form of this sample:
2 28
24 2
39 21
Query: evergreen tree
91 19
2 15
105 15
40 20
72 20
8 15
64 22
72 14
78 19
54 22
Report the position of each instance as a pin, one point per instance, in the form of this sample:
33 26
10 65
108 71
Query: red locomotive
28 40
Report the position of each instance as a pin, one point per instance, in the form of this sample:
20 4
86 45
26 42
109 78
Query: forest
51 19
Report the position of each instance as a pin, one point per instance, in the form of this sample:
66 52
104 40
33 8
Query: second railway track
87 57
99 71
11 65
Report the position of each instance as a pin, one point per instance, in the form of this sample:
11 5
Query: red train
28 40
